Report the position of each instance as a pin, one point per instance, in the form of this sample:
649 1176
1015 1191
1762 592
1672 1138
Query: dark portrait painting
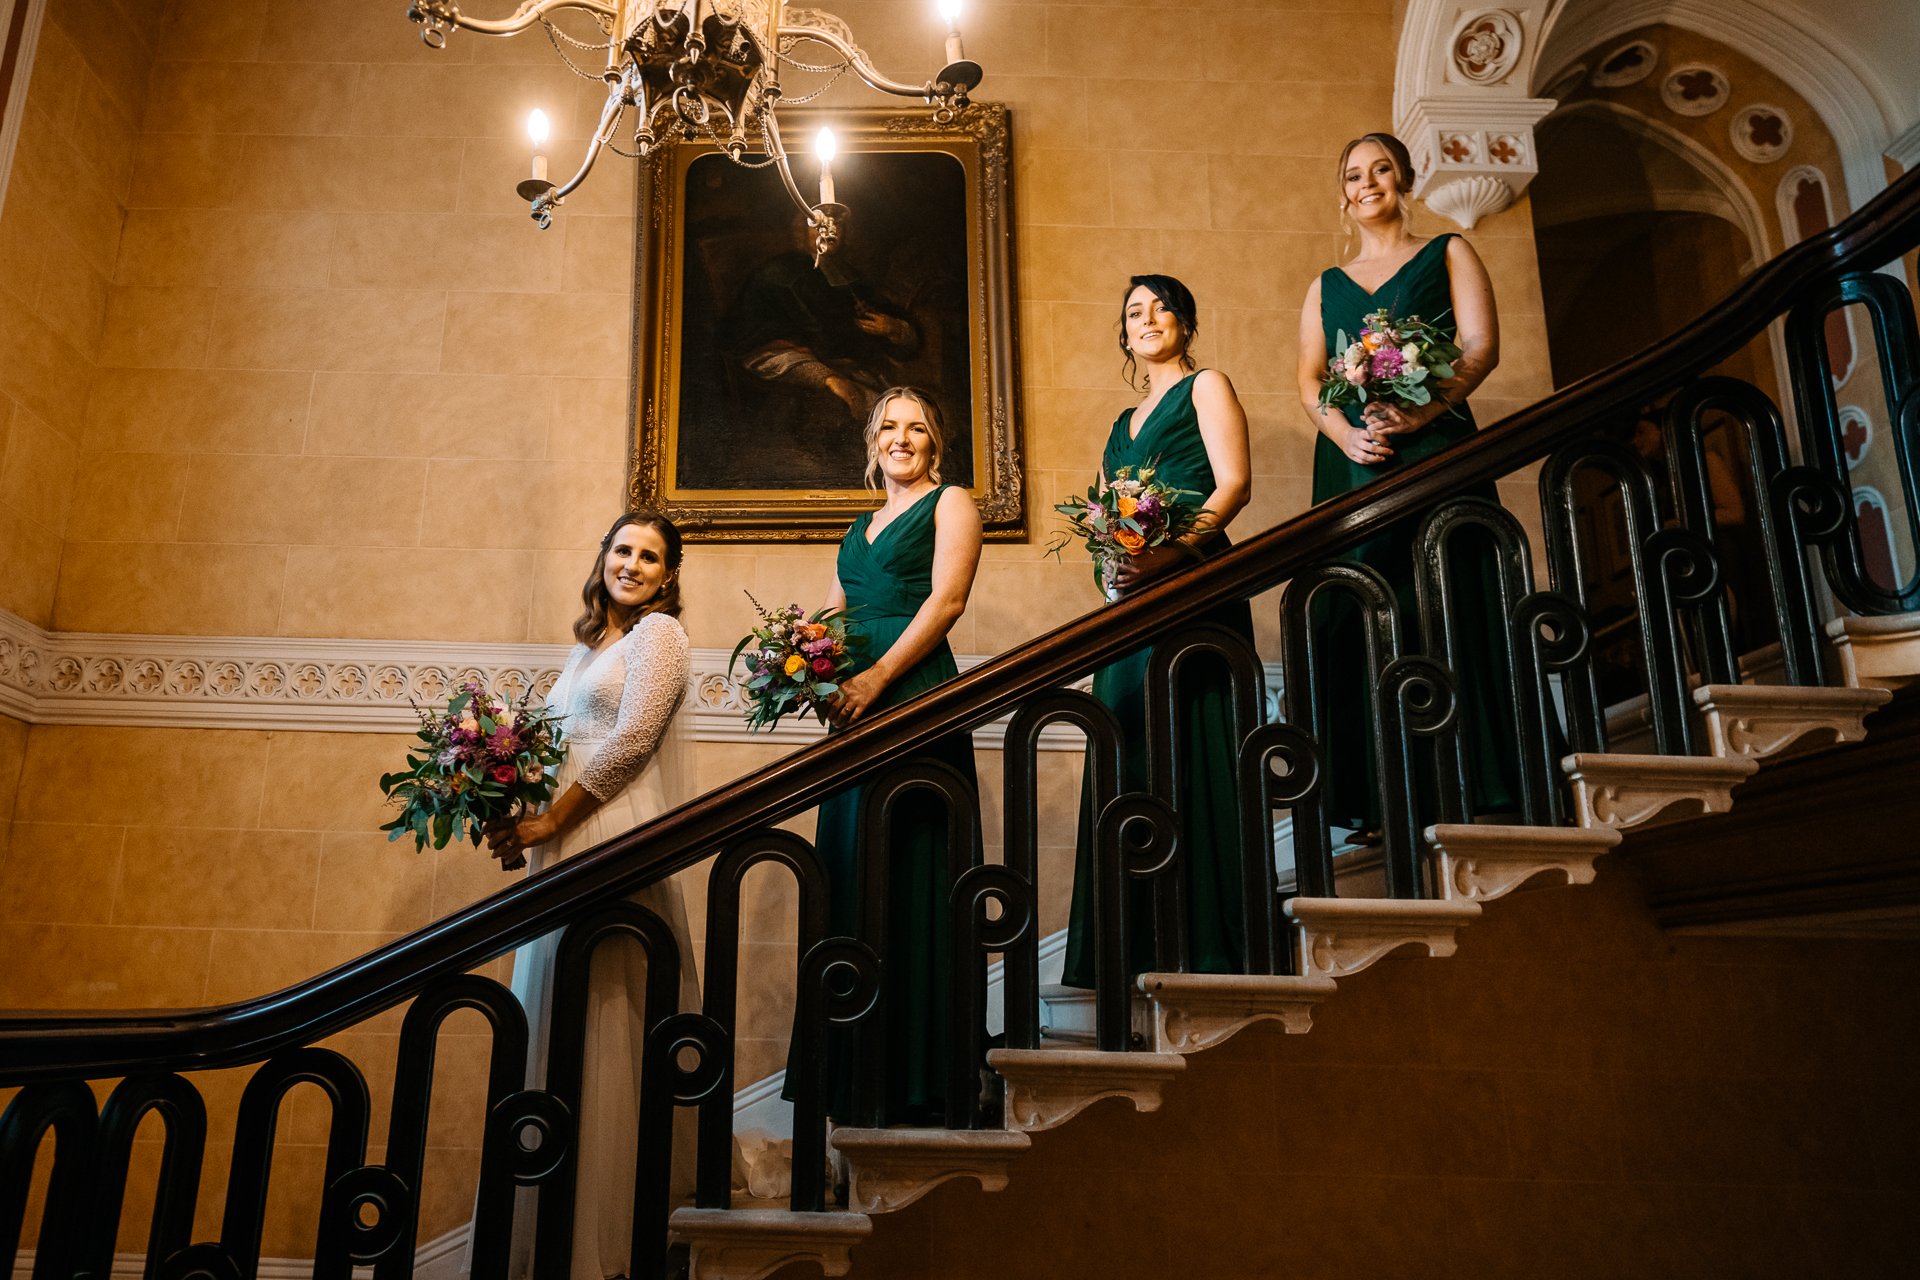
758 360
781 359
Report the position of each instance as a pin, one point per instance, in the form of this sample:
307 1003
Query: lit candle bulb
537 130
824 146
950 10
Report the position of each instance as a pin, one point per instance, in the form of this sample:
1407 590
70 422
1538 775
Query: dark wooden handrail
46 1045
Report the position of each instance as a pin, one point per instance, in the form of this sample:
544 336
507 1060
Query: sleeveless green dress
1209 815
886 581
1421 288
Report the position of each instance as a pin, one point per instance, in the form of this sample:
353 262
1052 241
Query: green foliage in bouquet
795 662
482 761
1391 360
1133 515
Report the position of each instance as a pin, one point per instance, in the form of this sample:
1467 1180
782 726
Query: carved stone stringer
750 1244
1478 863
1761 721
891 1168
1877 653
1048 1087
1193 1011
1627 791
1342 936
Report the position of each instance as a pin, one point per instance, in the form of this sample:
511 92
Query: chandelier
712 67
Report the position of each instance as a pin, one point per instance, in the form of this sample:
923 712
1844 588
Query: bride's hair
1177 298
591 625
1402 183
929 412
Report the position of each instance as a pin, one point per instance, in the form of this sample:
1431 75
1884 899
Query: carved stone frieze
891 1168
1048 1087
1478 863
1759 721
749 1244
1626 791
1194 1011
1342 936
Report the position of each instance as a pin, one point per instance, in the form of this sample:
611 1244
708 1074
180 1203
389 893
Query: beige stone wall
59 244
1574 1094
332 381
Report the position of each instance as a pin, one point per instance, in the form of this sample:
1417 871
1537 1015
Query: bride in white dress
629 758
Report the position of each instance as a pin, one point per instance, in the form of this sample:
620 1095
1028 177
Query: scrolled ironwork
1261 791
839 987
1550 634
531 1135
344 1228
67 1108
973 935
184 1116
1136 837
1415 697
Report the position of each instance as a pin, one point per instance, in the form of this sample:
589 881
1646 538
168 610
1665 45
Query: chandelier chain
551 31
837 73
793 41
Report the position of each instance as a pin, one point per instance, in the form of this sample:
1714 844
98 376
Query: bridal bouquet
483 759
795 662
1133 515
1391 360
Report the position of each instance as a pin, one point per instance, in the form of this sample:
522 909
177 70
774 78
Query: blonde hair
929 413
1403 183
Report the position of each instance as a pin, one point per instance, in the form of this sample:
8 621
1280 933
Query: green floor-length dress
1170 441
1421 287
886 581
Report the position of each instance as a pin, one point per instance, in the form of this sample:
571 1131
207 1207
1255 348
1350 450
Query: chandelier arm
525 16
856 58
777 153
609 121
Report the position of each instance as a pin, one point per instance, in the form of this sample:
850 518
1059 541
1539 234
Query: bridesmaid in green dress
907 570
1441 280
1192 429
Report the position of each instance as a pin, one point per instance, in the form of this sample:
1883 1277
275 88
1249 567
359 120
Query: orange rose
1132 541
1371 341
1127 506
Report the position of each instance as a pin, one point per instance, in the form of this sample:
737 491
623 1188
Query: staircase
1681 757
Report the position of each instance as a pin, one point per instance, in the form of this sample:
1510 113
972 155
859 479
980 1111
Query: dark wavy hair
590 626
1175 297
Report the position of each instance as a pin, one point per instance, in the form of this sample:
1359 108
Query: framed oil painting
755 369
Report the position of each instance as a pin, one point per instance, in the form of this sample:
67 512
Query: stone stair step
1627 791
891 1168
1341 936
1068 1015
1750 721
1877 653
1478 863
1194 1011
749 1244
1048 1087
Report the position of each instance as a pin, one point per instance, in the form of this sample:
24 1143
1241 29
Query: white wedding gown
630 744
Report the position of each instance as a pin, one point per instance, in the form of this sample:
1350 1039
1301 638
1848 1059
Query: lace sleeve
657 662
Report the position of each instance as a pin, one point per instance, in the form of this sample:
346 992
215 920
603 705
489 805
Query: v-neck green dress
886 581
1421 287
1170 440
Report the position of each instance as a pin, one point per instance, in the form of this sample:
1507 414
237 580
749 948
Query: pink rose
823 666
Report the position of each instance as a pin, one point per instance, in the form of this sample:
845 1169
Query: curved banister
53 1044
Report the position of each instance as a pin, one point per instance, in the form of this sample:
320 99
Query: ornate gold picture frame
753 368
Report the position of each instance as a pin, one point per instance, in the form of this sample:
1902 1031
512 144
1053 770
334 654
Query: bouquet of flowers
795 662
482 760
1390 360
1132 515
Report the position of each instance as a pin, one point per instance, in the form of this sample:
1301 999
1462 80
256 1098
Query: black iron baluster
1170 769
721 996
1521 673
1415 698
973 936
880 807
1119 857
253 1153
1547 633
185 1119
566 1066
1898 346
407 1125
1303 693
66 1107
1261 792
1667 696
839 987
665 1086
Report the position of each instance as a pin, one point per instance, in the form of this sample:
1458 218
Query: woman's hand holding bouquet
1132 517
795 662
1389 369
482 761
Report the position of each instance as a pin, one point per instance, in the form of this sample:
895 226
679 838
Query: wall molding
338 686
